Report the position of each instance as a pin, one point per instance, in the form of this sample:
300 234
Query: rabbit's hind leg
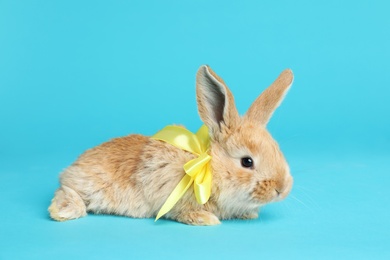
66 205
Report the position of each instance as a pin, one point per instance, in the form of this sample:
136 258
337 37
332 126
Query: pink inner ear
215 101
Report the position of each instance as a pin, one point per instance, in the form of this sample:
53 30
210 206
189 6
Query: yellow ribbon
198 170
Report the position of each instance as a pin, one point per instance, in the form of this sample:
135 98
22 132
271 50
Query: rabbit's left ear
264 106
215 102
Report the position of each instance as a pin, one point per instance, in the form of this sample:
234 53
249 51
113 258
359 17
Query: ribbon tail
202 185
175 195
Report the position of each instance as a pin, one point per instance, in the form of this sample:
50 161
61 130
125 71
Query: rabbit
133 175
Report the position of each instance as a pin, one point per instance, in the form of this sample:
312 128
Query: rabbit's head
249 169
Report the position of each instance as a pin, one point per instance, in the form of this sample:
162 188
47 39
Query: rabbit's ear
262 109
215 101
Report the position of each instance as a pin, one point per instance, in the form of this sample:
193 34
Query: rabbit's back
130 176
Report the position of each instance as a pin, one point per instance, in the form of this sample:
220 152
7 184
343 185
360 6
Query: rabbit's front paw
198 218
249 215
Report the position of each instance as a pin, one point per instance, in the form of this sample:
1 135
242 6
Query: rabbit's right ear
215 102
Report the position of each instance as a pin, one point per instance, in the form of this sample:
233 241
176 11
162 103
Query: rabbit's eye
247 162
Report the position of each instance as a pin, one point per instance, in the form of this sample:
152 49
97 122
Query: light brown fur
134 175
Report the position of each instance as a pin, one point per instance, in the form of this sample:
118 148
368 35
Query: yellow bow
197 171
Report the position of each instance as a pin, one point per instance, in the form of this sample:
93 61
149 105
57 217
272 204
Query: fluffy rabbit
133 175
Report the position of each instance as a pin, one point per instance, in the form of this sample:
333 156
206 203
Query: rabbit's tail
66 205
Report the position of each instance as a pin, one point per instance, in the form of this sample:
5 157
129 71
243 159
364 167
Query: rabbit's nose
283 186
280 186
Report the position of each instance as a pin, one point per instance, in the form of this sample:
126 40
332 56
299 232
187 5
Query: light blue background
76 73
